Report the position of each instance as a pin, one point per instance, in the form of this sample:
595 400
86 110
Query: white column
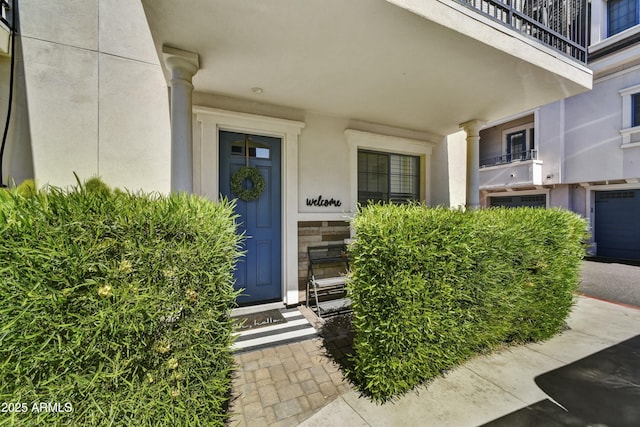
472 128
182 65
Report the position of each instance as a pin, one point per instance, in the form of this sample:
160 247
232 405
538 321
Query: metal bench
327 295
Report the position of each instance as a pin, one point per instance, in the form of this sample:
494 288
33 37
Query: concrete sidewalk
489 387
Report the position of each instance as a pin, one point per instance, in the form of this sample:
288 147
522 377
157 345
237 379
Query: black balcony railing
6 10
509 158
560 24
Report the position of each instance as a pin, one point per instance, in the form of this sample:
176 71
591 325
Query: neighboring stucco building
581 153
332 102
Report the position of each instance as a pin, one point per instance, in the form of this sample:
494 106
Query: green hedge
431 287
115 307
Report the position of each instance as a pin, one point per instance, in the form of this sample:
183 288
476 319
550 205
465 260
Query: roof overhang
426 66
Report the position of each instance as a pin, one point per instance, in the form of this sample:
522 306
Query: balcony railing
6 9
560 24
509 158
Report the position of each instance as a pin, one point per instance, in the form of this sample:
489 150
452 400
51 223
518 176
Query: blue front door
259 273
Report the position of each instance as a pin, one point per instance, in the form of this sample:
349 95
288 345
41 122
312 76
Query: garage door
617 224
532 200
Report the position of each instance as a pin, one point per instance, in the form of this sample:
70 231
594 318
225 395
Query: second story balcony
509 158
509 154
526 171
559 24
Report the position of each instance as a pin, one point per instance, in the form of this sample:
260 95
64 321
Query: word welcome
319 201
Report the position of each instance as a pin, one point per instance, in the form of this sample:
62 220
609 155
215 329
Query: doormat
262 319
269 329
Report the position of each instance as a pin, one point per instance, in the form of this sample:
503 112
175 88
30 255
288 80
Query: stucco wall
560 197
324 167
449 171
579 200
593 123
95 93
550 139
17 164
324 164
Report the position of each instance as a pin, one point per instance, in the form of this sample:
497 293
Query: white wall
579 200
550 140
96 95
324 154
18 160
560 197
593 124
448 171
324 164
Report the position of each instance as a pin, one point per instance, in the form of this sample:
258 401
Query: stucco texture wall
95 93
449 171
324 164
593 123
17 162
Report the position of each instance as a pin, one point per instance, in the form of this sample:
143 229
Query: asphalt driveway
611 281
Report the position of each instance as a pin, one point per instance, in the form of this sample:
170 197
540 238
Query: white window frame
359 140
628 130
606 23
388 155
526 127
600 27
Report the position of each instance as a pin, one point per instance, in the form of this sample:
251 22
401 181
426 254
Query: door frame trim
207 124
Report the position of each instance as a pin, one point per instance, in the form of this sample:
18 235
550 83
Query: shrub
431 287
115 307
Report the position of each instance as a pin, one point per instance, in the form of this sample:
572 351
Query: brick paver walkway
284 385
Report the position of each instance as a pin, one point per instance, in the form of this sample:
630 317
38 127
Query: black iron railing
509 158
560 24
6 7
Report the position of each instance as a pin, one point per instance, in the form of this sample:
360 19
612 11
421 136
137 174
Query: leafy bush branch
116 303
432 287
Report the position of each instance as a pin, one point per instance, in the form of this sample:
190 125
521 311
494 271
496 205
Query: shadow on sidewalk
632 262
602 389
337 339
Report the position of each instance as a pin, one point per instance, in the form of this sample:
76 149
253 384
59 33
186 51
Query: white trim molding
357 140
512 192
208 122
590 200
526 127
628 130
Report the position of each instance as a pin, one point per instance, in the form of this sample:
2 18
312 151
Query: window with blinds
387 177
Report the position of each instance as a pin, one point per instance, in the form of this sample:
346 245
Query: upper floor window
635 109
519 143
388 177
622 14
630 130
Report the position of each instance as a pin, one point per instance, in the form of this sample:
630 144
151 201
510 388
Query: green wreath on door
257 183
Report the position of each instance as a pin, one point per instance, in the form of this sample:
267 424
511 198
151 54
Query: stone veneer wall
317 233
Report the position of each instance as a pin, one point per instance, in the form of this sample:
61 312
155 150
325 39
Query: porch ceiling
363 59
